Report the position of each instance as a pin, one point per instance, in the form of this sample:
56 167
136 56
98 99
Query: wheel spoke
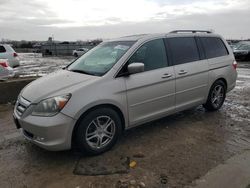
107 125
214 93
109 133
108 136
91 134
96 124
99 141
218 92
214 99
220 96
91 137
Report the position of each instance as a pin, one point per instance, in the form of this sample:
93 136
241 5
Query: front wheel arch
115 108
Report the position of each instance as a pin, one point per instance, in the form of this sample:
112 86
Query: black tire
211 105
86 123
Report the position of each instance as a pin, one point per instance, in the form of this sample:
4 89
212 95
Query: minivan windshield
100 59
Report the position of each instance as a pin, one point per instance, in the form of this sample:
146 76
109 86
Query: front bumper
51 133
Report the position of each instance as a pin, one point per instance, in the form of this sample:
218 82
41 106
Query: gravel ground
171 152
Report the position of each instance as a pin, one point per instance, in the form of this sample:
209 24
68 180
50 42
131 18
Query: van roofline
176 33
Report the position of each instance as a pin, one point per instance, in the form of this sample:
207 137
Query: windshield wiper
81 71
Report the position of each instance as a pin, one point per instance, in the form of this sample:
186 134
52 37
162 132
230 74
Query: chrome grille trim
21 105
23 101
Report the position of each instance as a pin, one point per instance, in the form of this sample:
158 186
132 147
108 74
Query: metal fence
25 50
55 49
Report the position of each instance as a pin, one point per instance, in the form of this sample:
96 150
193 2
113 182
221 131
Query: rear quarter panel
221 68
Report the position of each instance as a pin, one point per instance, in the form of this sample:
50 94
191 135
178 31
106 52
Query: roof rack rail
190 31
136 35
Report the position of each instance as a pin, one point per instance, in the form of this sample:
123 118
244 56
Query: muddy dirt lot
33 64
171 152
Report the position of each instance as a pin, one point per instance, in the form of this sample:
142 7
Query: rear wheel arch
210 105
223 80
218 79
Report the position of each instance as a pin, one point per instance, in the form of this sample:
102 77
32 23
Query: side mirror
135 68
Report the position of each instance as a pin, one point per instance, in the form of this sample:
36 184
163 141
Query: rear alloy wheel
98 131
216 96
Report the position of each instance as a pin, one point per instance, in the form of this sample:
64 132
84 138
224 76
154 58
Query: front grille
20 109
21 105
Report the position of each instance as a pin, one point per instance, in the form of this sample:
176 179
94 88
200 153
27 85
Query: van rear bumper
231 87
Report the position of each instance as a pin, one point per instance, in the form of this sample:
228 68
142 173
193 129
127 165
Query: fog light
38 138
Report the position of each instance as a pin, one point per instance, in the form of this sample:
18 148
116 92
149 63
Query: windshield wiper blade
80 71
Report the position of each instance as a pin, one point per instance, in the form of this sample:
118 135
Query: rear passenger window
152 54
2 49
214 47
183 50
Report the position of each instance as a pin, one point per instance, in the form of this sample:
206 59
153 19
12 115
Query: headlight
51 106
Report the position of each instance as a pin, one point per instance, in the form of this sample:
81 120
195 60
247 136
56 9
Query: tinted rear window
2 49
214 47
183 50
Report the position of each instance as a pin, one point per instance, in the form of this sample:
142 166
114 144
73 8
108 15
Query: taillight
235 64
4 64
15 54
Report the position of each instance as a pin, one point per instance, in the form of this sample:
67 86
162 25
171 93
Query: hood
53 83
241 51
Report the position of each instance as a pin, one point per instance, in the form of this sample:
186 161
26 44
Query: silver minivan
123 83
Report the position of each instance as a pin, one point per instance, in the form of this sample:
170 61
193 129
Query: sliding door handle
166 75
182 72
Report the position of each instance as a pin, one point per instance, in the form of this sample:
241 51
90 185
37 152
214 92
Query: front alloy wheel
98 131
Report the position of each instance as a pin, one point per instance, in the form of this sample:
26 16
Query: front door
150 94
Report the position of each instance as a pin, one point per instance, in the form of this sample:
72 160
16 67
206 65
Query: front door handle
182 72
166 75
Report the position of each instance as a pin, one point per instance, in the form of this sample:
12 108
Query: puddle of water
244 76
102 165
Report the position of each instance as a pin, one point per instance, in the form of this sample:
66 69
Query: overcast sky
90 19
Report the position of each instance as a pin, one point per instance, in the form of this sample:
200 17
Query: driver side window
152 54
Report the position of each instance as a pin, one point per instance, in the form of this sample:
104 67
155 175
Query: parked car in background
79 52
230 43
242 52
5 70
238 44
123 83
7 52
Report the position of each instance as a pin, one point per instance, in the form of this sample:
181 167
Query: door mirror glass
135 68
